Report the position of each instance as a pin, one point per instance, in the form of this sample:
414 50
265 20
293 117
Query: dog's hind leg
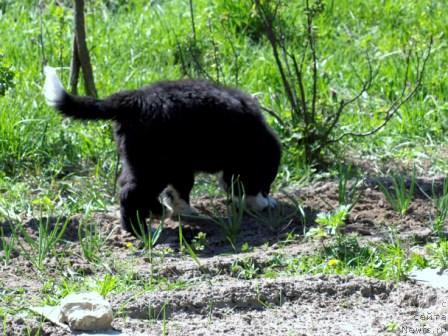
137 203
177 196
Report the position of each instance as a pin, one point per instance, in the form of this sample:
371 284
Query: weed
92 242
332 222
441 205
148 236
438 254
244 269
107 285
392 326
47 239
231 225
400 197
348 196
7 246
199 241
183 244
245 247
347 250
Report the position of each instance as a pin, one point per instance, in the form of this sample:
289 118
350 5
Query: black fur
171 130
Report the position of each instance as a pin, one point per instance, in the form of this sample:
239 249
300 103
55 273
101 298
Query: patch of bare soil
215 302
287 306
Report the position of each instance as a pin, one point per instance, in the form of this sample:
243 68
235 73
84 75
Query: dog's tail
87 108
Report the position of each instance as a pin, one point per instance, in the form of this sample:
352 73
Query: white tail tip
53 89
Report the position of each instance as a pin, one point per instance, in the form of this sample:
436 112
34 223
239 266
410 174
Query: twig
193 26
274 114
400 101
312 43
269 30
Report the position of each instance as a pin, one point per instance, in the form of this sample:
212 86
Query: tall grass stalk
348 196
37 250
400 197
7 245
184 245
231 225
441 205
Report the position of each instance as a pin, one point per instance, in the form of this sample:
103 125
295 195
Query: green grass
41 152
400 195
50 166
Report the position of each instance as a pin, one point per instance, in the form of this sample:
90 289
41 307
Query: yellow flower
333 262
129 245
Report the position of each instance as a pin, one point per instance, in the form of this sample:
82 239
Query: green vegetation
400 197
40 151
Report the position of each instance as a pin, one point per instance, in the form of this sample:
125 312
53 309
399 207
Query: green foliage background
136 42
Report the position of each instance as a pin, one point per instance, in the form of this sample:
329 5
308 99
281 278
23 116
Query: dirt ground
216 302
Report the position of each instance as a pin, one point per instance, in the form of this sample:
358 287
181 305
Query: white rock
86 311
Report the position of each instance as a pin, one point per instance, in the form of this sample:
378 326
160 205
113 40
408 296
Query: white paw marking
222 184
259 202
272 203
53 89
176 205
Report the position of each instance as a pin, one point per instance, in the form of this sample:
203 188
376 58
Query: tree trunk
80 46
74 68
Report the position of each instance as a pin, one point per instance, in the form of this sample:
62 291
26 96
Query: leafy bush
316 107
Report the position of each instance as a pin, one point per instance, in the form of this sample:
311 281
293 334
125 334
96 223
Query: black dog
171 130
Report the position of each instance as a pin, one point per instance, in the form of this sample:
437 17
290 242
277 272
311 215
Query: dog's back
202 125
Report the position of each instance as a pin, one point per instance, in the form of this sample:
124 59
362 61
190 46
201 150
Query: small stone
86 311
366 291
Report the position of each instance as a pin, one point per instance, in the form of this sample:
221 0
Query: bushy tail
87 108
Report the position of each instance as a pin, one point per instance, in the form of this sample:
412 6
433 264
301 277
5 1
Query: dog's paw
260 202
176 205
272 202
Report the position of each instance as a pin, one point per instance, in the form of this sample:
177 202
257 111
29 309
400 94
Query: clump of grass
345 255
91 240
7 246
149 236
6 76
441 205
231 225
185 246
106 285
400 197
244 268
438 254
37 250
348 196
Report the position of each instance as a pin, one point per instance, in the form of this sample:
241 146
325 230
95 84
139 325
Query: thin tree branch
274 114
234 52
299 78
193 26
269 30
216 55
312 43
400 101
